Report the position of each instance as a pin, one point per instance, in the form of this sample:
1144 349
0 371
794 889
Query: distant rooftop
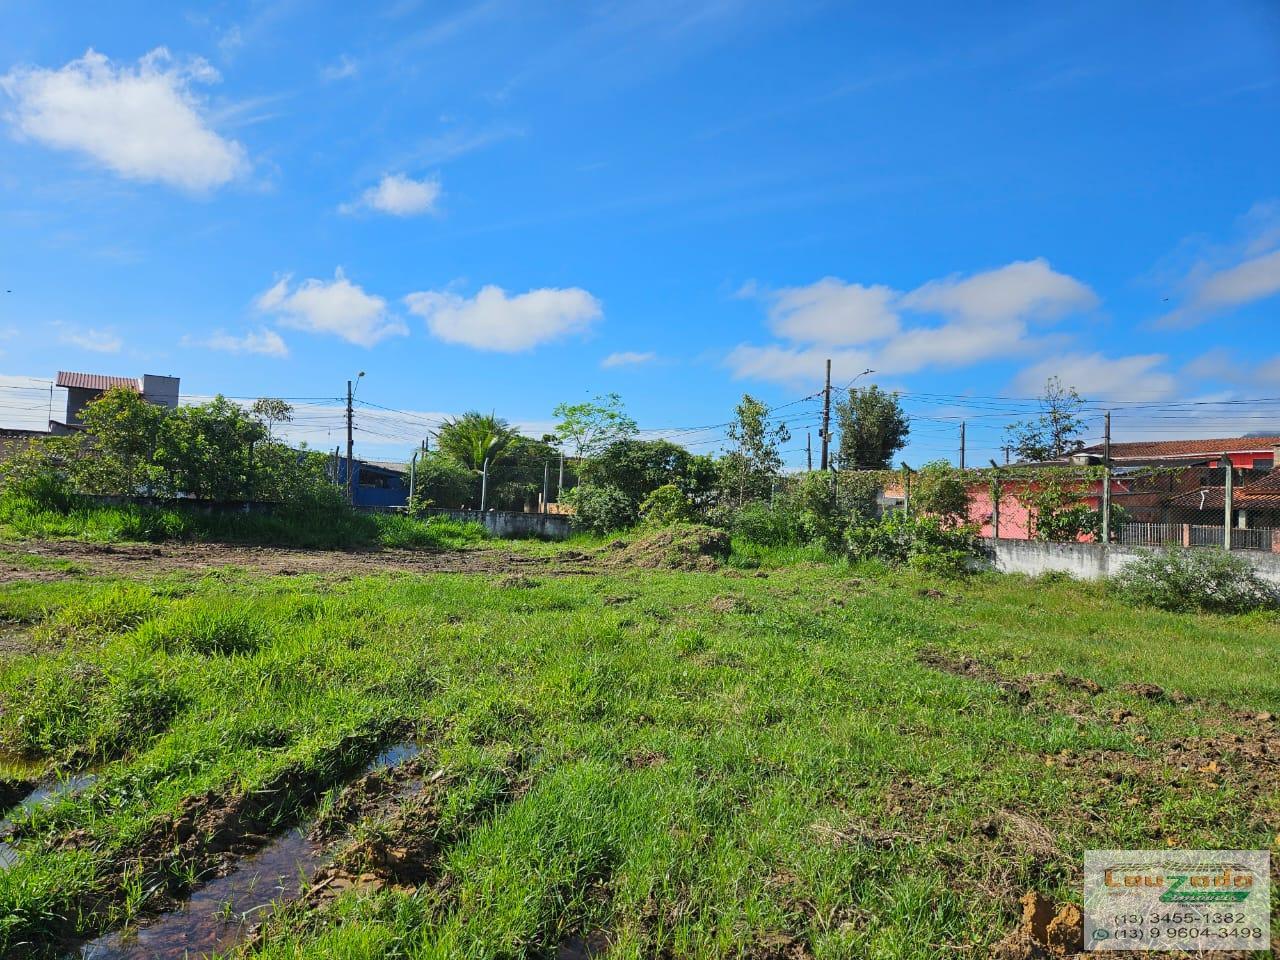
1187 448
95 381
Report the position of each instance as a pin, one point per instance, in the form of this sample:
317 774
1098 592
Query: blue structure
377 484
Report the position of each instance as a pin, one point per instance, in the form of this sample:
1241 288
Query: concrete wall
511 525
1093 561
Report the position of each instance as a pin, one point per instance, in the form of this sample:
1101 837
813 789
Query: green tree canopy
474 437
749 469
873 427
590 427
1056 432
638 467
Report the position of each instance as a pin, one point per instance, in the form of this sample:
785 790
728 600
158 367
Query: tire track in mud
403 849
207 837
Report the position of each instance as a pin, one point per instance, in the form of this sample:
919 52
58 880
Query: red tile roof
1261 494
1187 448
95 381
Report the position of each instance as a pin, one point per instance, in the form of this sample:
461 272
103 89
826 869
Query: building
378 483
83 388
1165 482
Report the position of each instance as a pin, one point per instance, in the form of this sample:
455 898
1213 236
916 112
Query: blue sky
502 205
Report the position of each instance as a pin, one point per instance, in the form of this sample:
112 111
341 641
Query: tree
751 466
125 430
475 437
873 427
1055 433
592 426
638 467
271 411
940 490
207 450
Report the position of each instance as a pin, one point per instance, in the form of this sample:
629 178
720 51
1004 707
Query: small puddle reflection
43 795
218 914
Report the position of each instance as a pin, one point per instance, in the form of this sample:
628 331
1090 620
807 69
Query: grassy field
801 760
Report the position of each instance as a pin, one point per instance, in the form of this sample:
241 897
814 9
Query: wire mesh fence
1266 539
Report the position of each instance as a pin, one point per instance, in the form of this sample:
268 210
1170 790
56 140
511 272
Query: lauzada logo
1229 884
1226 887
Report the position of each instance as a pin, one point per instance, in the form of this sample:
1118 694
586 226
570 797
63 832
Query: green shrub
667 505
600 509
767 526
1183 580
923 542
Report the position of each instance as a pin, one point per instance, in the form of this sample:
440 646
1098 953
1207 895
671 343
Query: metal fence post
1227 497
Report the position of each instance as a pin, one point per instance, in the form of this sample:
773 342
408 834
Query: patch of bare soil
1043 932
686 547
145 559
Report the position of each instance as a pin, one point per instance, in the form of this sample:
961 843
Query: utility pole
961 444
826 416
1228 495
906 489
413 478
546 483
350 443
1006 454
808 450
484 485
560 482
1106 478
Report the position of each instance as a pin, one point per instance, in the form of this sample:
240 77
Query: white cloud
268 343
143 122
341 69
1106 378
833 312
1023 290
1253 279
975 318
99 341
627 358
795 366
491 320
337 306
399 196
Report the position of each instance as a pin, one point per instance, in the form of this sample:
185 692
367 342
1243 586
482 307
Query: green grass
701 765
331 526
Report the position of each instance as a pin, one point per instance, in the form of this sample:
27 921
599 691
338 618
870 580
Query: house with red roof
83 388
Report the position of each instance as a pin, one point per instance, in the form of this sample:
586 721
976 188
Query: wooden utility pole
826 416
1228 495
1106 478
808 450
961 444
350 444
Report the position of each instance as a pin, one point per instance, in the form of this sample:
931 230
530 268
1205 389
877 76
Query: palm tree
475 437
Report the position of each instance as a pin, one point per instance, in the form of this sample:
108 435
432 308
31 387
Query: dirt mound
691 547
1043 932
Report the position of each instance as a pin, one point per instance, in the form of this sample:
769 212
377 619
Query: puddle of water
219 914
43 795
394 756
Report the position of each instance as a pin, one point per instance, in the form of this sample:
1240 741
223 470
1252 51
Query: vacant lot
803 761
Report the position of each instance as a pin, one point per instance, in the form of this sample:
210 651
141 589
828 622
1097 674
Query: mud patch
142 559
972 669
593 943
1043 932
729 605
688 547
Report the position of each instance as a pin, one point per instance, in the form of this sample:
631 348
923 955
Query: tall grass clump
1187 581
